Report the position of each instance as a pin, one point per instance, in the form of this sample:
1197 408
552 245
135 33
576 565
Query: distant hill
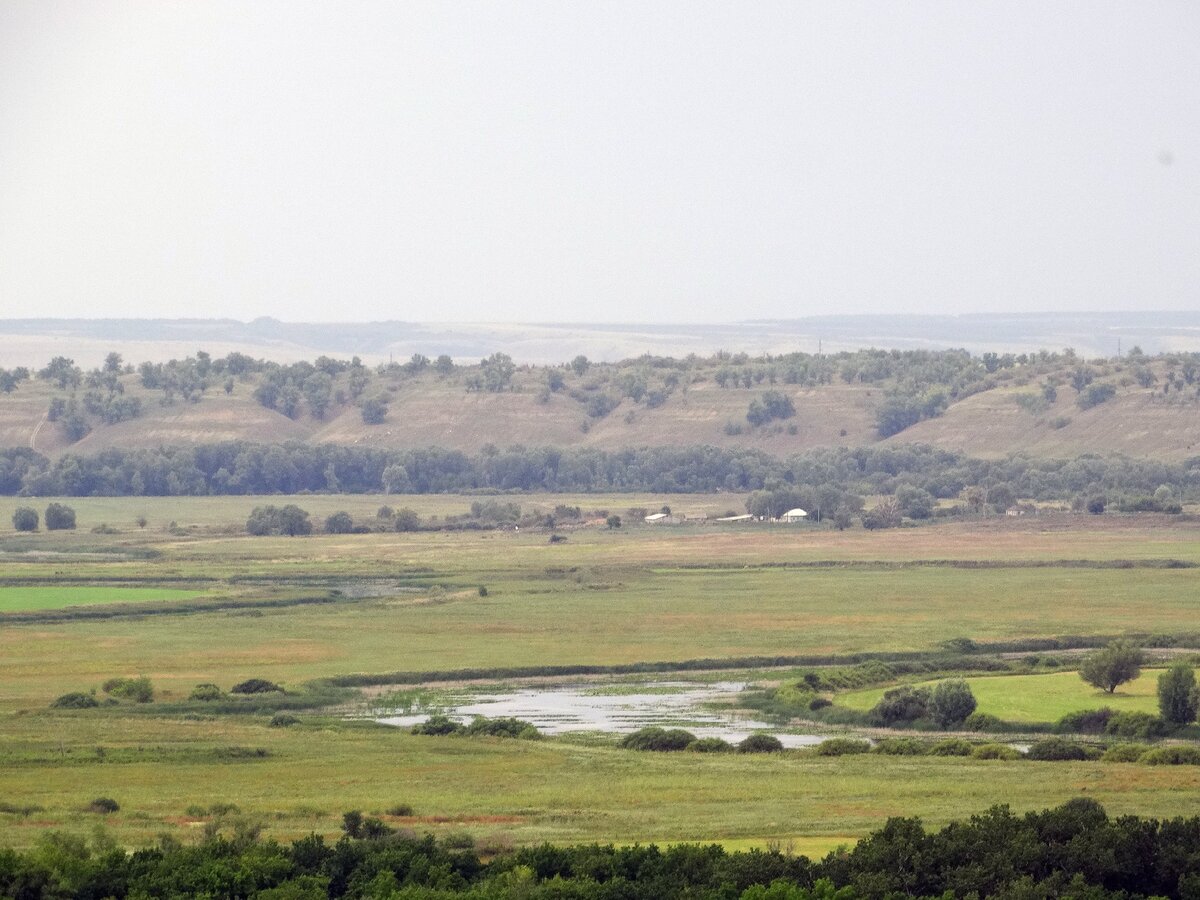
987 407
30 342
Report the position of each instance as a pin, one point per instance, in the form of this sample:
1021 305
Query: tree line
918 475
1074 850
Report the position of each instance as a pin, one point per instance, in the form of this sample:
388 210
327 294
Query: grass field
1039 698
411 602
13 599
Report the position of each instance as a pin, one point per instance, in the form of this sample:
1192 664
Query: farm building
743 518
794 515
663 519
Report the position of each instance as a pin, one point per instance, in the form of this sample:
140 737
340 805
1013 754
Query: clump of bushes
995 751
842 747
103 806
283 720
901 706
59 517
255 686
206 692
139 690
710 745
1180 755
951 747
1125 753
503 727
760 743
437 726
662 740
75 700
902 746
401 809
25 518
978 721
1059 750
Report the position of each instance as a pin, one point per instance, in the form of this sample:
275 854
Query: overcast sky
596 161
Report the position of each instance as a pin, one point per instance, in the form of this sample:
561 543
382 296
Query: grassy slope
62 597
438 411
1039 698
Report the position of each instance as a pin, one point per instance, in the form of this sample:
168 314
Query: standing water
618 708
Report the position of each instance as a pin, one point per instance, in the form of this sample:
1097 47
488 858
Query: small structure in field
656 519
743 518
794 515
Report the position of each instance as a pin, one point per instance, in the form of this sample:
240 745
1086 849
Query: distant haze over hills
31 342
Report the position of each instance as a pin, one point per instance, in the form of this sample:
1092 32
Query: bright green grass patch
1038 698
21 599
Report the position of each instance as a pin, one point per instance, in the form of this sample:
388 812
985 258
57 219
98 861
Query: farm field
296 609
66 596
1038 698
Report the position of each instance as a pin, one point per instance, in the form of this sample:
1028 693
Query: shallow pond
618 708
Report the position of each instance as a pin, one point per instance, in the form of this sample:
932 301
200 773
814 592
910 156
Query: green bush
139 690
901 746
283 720
502 727
59 517
1086 721
842 747
103 805
760 743
401 809
75 700
900 705
1178 698
951 747
437 725
25 518
979 721
1136 725
339 523
710 745
1056 750
995 751
255 686
1125 753
1172 756
663 740
207 692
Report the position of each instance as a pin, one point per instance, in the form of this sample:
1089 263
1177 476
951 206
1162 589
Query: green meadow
206 603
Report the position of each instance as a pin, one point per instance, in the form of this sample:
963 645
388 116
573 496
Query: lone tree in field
1178 698
25 519
1111 667
951 703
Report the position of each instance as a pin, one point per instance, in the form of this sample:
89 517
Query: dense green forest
1075 850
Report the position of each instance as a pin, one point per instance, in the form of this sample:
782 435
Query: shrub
25 518
283 720
1172 756
901 747
59 517
503 727
207 692
995 751
255 686
407 520
951 747
1125 753
658 739
437 725
842 747
339 523
1056 750
710 745
1086 721
900 705
401 809
978 721
103 805
760 743
1177 694
951 702
75 700
140 690
1136 725
817 703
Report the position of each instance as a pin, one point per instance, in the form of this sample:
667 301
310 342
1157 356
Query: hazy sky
596 161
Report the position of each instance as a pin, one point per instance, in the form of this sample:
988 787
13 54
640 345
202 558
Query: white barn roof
796 513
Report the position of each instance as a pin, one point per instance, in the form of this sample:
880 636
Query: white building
794 515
